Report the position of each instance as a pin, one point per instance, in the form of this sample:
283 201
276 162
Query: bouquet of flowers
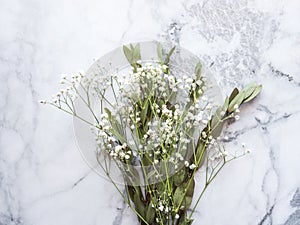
158 129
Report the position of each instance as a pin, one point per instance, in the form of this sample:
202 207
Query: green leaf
130 191
226 104
131 47
168 56
188 191
160 187
187 202
136 53
217 122
190 188
139 205
108 113
179 177
128 54
178 194
198 70
238 99
151 174
116 126
150 213
160 52
233 94
144 112
254 93
248 90
133 176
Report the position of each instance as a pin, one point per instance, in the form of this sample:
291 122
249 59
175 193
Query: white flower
192 166
186 163
63 77
225 153
164 67
122 155
161 208
118 148
177 216
236 117
106 128
111 139
236 106
189 80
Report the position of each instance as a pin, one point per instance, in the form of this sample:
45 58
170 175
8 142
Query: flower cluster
66 96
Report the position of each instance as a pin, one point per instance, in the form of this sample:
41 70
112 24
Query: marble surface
43 179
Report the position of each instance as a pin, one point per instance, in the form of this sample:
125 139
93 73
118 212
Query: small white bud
193 166
236 117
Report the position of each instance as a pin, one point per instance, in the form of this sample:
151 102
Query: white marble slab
43 179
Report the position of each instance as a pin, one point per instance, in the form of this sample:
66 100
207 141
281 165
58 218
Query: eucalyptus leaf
130 191
151 174
190 188
187 202
233 94
131 47
160 52
144 112
150 214
177 197
116 126
217 122
160 187
137 53
180 176
128 54
139 205
248 90
238 99
168 56
198 70
254 93
182 220
185 190
134 175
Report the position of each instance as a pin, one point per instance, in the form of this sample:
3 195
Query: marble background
43 179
